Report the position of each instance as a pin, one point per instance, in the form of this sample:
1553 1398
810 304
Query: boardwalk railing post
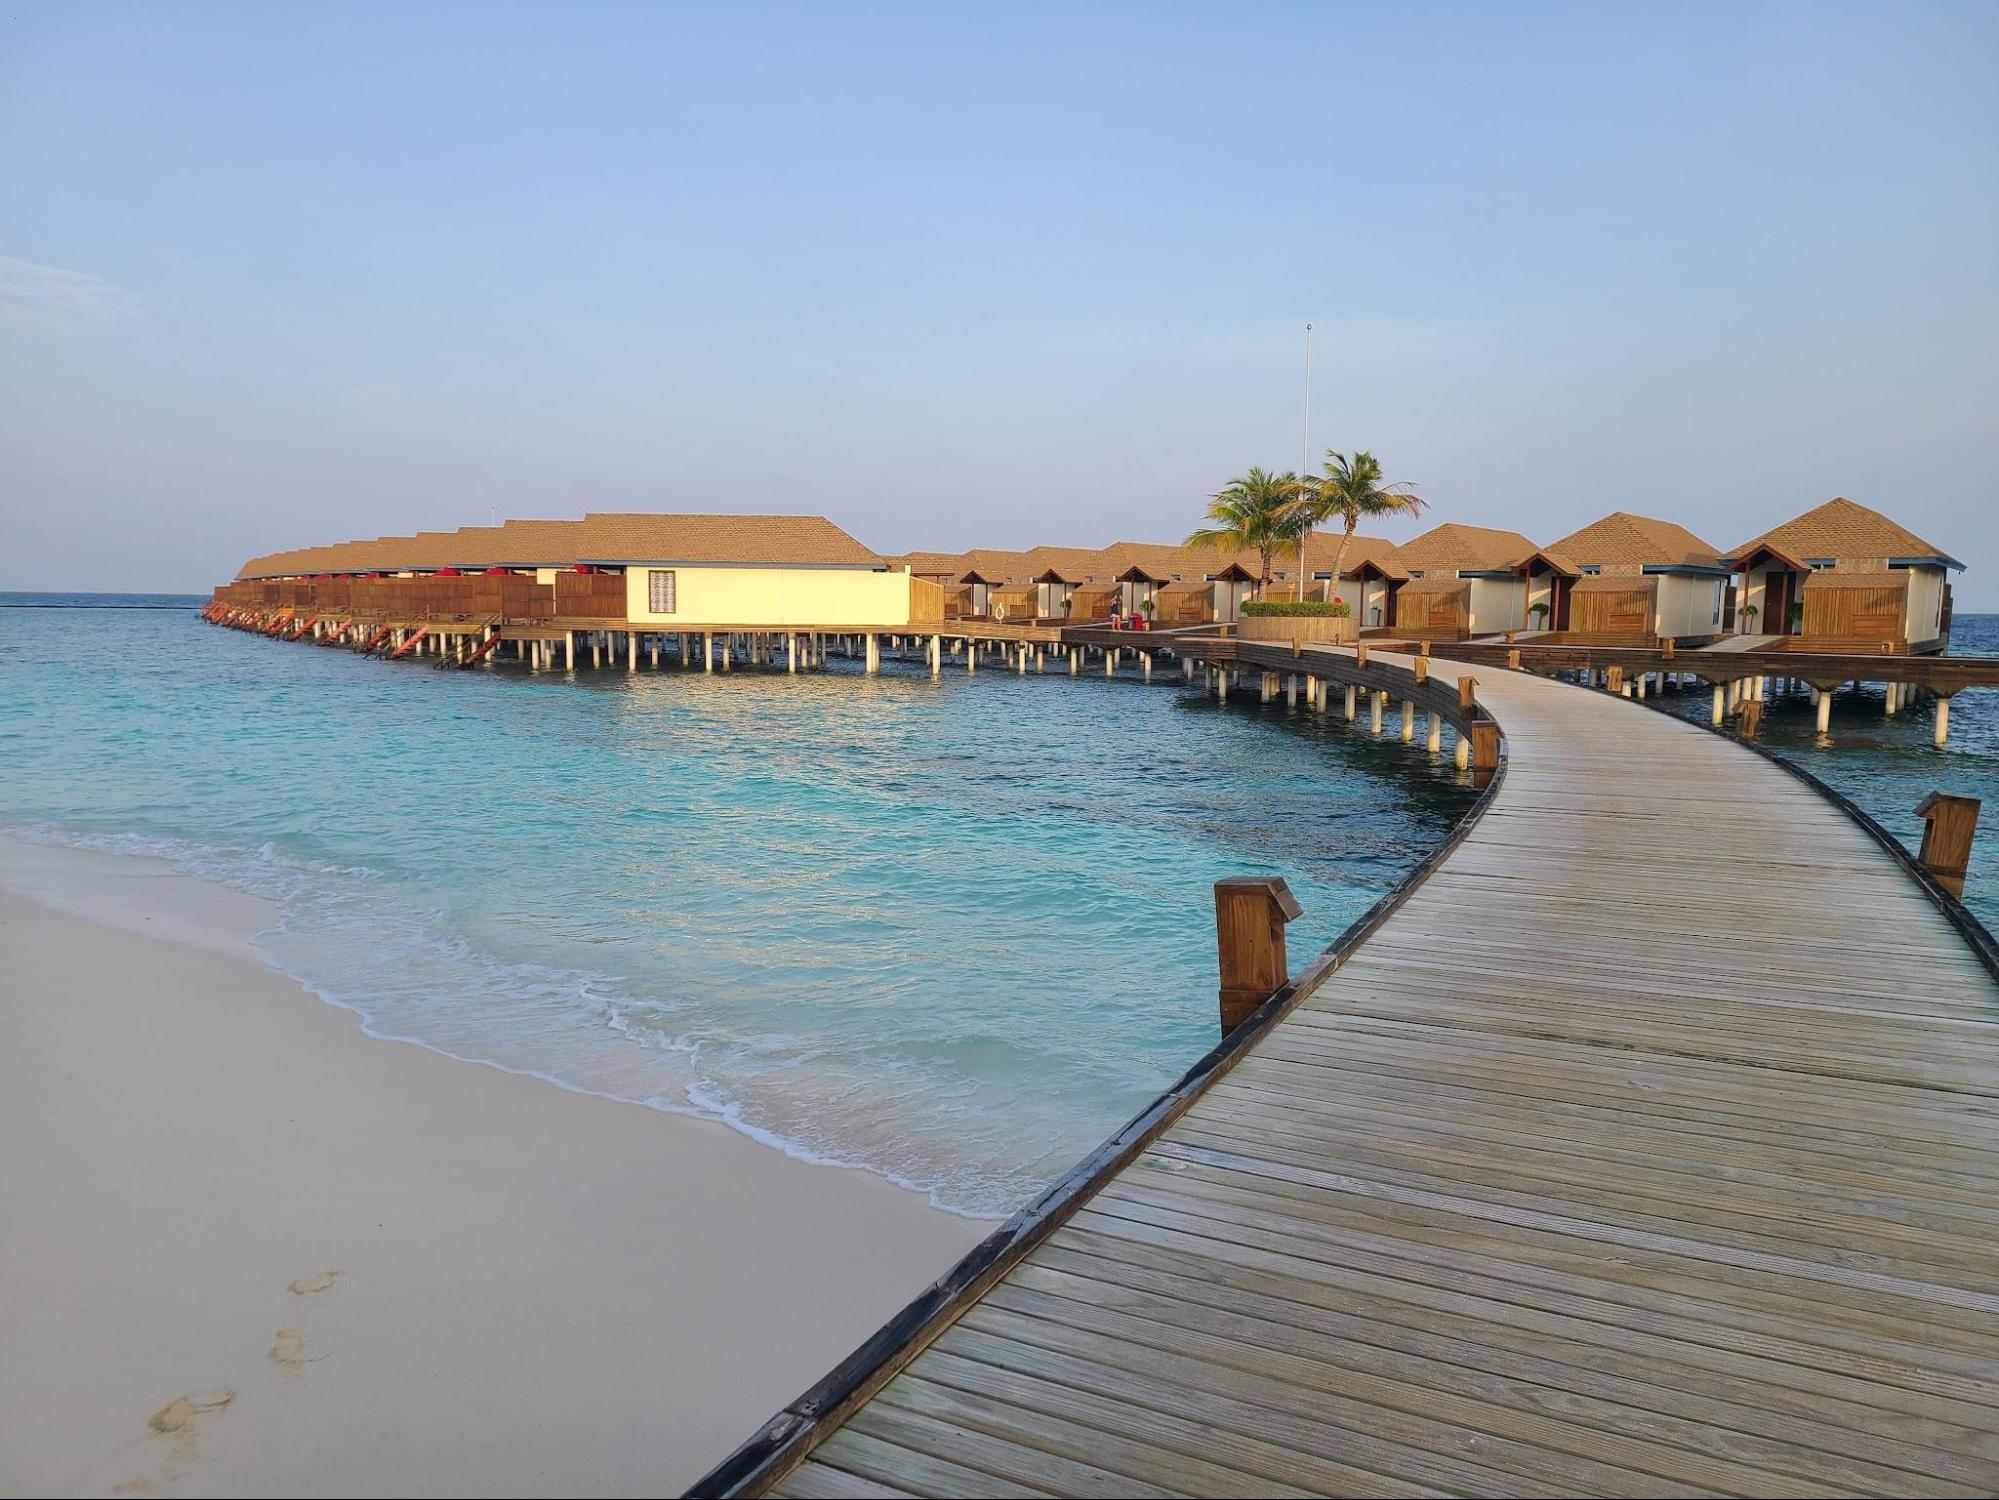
1613 680
1467 693
1484 751
1948 824
1422 669
1250 913
1749 720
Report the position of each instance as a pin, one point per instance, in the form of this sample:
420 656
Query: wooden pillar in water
936 655
708 650
1377 702
1943 720
1749 722
1250 916
1436 732
569 650
1408 720
1825 712
1719 704
631 650
874 653
1353 704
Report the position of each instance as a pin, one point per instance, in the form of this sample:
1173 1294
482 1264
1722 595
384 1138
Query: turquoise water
954 931
1889 764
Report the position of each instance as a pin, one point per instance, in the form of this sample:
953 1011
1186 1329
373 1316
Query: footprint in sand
292 1351
179 1422
308 1286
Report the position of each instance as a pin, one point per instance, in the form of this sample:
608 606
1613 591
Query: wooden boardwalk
1651 1148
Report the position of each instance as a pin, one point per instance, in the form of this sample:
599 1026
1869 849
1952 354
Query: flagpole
1305 450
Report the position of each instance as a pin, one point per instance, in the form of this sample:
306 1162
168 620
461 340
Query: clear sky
277 274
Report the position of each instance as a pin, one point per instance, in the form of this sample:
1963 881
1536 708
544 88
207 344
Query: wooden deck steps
1651 1148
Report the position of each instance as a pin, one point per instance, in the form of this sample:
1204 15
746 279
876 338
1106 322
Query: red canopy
447 572
502 572
585 568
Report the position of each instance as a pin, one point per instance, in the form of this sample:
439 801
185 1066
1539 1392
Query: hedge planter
1318 630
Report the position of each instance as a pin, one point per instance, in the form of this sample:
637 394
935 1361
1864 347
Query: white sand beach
247 1249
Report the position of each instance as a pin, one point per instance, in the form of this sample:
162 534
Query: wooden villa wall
1611 612
926 602
590 596
1859 616
503 597
1436 614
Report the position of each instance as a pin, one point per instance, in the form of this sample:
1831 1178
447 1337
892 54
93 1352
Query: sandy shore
247 1250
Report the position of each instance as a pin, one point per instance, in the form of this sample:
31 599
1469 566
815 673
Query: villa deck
1636 1153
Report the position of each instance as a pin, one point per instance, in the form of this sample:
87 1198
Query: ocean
952 931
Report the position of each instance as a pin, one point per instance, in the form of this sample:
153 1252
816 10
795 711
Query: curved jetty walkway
1650 1148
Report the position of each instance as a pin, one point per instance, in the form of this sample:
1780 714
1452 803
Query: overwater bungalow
1139 586
660 571
1626 580
1052 591
1843 577
1462 582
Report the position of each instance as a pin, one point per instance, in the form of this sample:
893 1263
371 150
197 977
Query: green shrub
1338 609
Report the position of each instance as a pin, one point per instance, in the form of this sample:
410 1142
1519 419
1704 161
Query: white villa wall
772 596
1687 604
1498 604
1924 621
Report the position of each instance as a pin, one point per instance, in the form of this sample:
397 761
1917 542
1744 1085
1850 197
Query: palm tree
1255 512
1349 489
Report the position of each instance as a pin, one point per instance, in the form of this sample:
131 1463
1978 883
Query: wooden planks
1651 1148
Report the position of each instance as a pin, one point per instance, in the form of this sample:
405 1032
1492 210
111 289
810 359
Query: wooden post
874 657
1422 669
1360 654
1719 704
1825 712
1484 750
1250 913
1613 680
1668 648
1378 702
1750 720
1948 824
1436 731
1467 693
569 650
1513 660
1943 721
1408 720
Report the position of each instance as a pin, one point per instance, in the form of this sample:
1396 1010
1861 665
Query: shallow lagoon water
954 931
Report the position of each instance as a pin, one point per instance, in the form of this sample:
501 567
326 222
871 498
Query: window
662 582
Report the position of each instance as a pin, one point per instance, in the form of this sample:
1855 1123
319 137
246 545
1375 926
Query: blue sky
955 276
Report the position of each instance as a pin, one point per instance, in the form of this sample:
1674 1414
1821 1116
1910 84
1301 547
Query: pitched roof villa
1840 575
1845 576
1455 549
1624 540
603 537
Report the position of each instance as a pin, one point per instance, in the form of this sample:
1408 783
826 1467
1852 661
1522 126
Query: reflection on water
953 930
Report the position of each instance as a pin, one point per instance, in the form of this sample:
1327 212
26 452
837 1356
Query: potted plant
1749 614
1539 610
1797 613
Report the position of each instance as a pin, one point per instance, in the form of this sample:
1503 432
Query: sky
984 275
